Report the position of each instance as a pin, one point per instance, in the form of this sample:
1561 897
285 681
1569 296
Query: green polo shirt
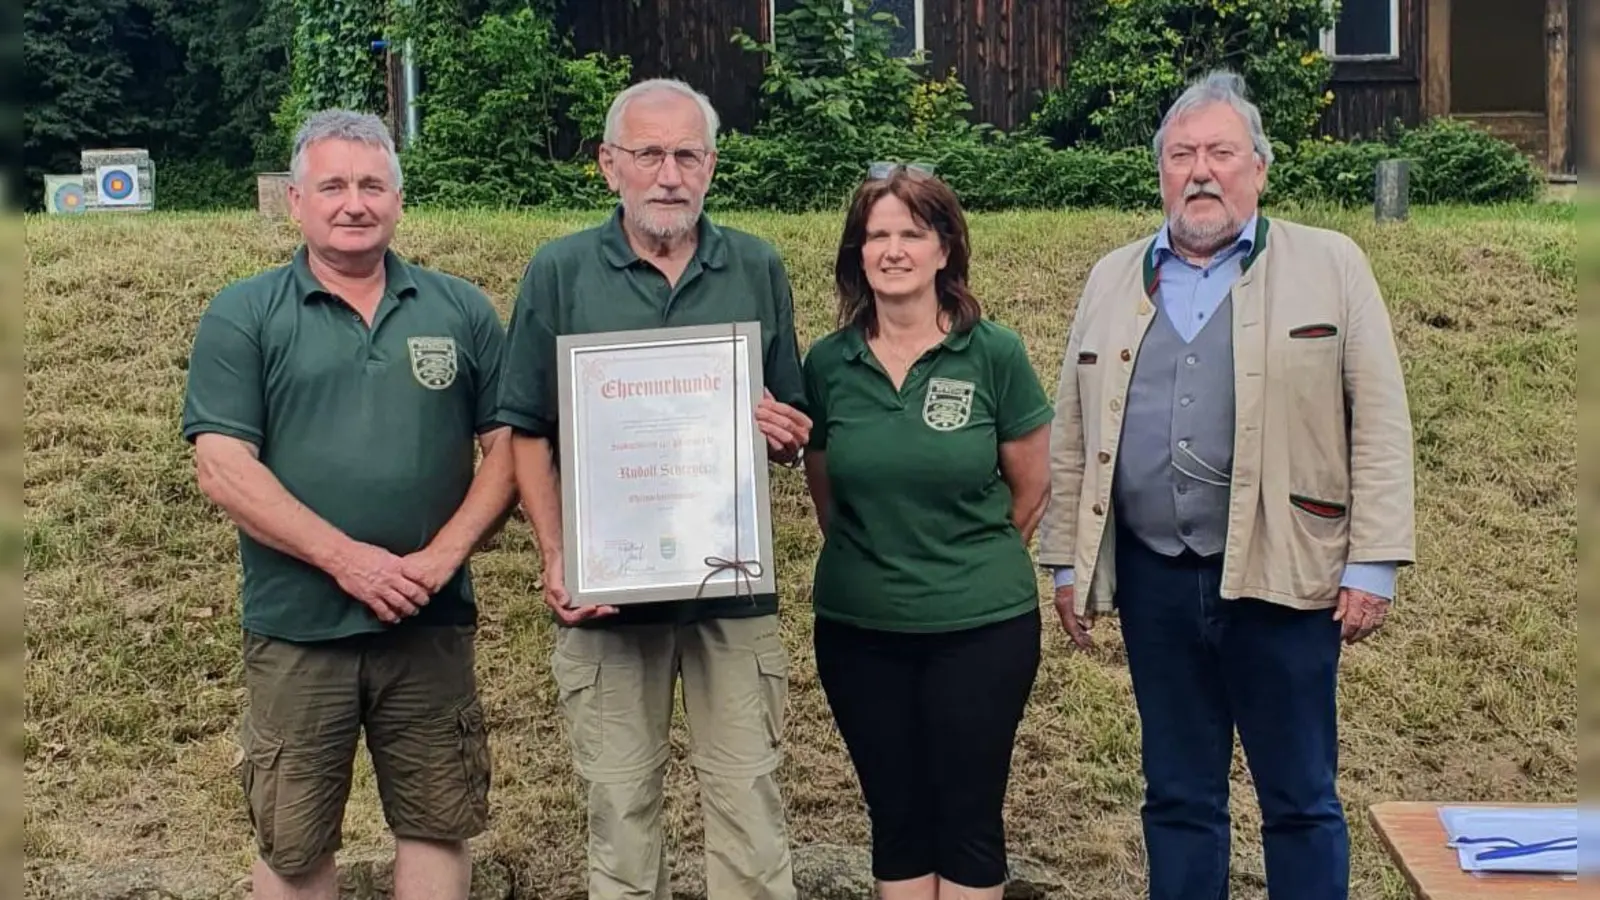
920 537
593 281
372 429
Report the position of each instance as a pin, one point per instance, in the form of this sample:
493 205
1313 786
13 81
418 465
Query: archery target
64 194
117 185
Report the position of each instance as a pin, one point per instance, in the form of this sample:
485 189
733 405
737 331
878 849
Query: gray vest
1170 486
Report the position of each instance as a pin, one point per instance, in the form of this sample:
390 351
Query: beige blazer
1323 472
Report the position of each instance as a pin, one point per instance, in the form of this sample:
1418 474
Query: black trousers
929 721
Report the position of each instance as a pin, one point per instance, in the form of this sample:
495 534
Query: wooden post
1436 58
1556 112
1586 121
272 194
1391 190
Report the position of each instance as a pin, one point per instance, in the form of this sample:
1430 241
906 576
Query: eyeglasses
880 170
651 158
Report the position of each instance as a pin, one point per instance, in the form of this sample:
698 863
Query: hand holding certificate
664 479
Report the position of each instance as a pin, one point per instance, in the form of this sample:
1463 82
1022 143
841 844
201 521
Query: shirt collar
1251 241
711 247
396 276
1245 242
855 342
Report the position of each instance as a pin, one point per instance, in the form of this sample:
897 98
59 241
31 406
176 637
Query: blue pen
1515 848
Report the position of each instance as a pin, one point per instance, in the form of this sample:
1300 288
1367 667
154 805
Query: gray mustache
1209 189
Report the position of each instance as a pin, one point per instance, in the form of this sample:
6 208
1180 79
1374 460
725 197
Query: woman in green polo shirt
928 466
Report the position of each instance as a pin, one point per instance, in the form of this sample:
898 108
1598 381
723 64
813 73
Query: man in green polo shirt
659 262
335 405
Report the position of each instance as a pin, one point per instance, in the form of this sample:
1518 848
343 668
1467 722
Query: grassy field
132 680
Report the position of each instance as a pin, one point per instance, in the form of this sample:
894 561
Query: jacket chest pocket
1310 361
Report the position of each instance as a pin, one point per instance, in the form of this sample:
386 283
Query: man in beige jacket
1232 473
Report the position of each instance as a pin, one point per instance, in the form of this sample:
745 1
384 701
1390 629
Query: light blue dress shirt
1190 295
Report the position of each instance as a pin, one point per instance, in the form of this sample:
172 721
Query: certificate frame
584 472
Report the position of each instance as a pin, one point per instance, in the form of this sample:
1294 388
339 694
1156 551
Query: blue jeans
1201 666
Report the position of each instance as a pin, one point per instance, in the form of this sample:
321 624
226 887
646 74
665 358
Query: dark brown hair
934 206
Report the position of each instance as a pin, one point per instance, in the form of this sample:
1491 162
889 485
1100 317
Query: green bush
1462 163
834 99
1328 171
1451 162
198 185
1135 56
785 174
830 79
503 94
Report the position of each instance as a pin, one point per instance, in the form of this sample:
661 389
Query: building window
1367 29
904 41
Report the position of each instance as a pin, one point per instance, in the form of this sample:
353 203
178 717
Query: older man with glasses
658 262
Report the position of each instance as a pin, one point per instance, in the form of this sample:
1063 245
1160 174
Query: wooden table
1415 838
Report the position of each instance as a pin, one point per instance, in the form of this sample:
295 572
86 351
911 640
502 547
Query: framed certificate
664 489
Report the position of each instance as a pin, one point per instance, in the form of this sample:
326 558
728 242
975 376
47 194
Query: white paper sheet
1513 839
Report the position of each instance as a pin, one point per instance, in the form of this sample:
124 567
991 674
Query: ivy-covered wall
337 60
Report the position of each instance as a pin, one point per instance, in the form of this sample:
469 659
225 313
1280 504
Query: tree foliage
186 81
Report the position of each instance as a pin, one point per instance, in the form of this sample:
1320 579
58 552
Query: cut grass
132 641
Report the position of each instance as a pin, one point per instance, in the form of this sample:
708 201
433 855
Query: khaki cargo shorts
414 691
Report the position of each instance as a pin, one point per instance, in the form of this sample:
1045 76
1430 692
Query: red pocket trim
1314 331
1322 509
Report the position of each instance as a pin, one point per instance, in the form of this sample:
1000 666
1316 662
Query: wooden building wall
1006 52
1369 95
687 39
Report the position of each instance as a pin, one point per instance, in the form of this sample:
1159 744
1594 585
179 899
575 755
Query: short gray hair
343 125
662 85
1219 86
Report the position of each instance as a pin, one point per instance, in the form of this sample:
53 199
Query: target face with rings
69 198
117 185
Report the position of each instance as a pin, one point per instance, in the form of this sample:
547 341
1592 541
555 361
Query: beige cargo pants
617 687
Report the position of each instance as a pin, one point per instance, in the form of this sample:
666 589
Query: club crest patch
948 404
433 361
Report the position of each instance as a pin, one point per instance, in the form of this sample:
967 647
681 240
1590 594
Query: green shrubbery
203 185
1451 162
501 92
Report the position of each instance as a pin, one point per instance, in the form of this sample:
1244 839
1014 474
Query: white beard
1205 237
665 226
